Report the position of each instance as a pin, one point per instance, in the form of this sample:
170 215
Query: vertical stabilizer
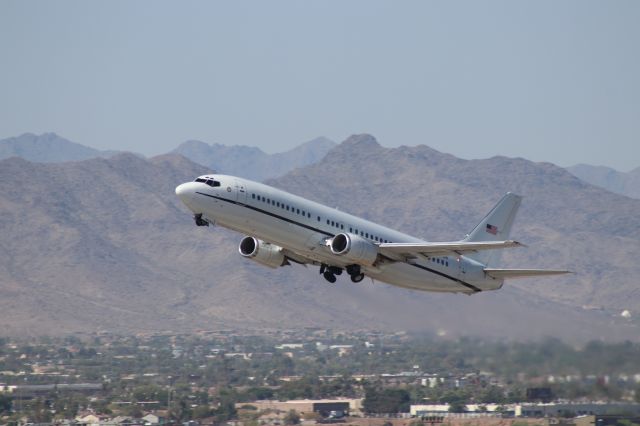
496 226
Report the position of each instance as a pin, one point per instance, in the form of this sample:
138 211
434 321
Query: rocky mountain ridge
566 222
251 162
612 180
105 245
47 148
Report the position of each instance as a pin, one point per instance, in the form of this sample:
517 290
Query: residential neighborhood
309 376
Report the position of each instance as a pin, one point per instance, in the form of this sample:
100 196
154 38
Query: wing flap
522 273
442 248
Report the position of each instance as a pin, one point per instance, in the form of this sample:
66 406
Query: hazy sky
556 81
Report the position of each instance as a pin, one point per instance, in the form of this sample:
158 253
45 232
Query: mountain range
567 222
47 148
252 162
612 180
105 245
247 161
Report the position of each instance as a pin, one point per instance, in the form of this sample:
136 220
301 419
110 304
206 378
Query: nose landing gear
199 220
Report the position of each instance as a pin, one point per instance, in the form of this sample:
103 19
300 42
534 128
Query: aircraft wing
409 250
522 273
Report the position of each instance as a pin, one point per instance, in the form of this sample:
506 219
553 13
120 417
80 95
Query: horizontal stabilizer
442 249
522 273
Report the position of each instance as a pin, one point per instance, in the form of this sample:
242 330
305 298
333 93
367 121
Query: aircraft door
462 268
241 191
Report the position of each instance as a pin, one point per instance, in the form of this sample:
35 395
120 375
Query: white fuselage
303 227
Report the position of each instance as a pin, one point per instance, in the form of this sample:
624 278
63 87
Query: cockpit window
212 183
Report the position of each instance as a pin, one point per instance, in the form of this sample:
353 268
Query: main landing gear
355 273
329 273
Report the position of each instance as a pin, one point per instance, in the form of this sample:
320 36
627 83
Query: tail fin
496 226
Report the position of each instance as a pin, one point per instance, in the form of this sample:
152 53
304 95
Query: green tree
492 394
386 401
150 393
292 418
202 411
180 410
39 412
133 410
457 407
5 403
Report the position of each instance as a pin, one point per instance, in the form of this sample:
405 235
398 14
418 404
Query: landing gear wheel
334 270
199 220
356 278
329 277
353 269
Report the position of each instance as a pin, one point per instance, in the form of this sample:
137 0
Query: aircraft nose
185 192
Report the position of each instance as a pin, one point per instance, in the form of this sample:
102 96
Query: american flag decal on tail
492 229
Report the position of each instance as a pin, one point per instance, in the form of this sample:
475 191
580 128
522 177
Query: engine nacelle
264 253
354 248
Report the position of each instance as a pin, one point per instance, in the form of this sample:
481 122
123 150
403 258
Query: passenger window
309 215
341 226
298 211
328 222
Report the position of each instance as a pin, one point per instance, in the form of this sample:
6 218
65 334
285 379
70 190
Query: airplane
283 228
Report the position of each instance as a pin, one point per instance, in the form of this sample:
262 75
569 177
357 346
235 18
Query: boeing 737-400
281 228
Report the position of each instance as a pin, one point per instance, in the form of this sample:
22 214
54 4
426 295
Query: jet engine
354 248
264 253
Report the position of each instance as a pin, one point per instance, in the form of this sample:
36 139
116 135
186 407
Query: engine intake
354 248
266 254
